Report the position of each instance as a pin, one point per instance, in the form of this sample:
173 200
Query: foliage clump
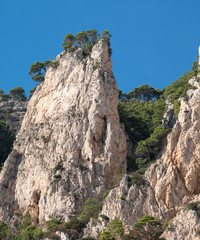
32 91
85 40
146 228
90 210
17 93
114 230
38 69
25 231
194 206
142 110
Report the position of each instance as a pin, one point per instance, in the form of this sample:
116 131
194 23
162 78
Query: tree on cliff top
69 41
85 40
37 71
18 93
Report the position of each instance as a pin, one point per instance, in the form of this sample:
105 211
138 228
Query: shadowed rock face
70 145
12 112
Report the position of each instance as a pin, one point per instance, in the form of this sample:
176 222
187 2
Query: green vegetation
146 228
6 141
5 231
194 206
90 210
25 231
114 230
17 93
32 91
38 69
85 40
142 110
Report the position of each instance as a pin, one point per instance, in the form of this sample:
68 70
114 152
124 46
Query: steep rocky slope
12 112
170 183
70 145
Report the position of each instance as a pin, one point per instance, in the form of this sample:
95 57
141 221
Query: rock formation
70 145
12 112
170 183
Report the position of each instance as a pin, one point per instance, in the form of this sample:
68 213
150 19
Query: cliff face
12 112
70 145
170 183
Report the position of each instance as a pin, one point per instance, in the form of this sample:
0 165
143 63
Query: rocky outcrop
12 112
171 182
70 145
169 118
185 226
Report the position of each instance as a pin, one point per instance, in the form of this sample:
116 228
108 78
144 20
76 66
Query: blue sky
154 41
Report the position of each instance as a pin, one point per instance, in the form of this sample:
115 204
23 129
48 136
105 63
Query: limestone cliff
170 183
70 145
12 112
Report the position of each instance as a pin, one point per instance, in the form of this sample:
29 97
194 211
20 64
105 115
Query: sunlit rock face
70 145
170 183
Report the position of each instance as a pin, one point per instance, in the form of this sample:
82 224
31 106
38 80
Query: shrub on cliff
18 93
5 231
146 228
4 96
69 41
32 91
38 69
90 210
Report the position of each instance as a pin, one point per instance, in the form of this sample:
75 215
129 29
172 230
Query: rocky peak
169 184
70 145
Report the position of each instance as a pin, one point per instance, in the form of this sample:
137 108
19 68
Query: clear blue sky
154 41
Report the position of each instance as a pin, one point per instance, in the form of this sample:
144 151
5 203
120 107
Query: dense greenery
6 141
91 210
18 93
146 228
141 111
25 230
85 40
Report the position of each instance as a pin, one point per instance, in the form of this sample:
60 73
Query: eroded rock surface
185 226
12 112
70 145
170 183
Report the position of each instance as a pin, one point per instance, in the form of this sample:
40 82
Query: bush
5 231
194 206
106 235
137 179
75 224
116 228
32 91
90 210
146 228
52 223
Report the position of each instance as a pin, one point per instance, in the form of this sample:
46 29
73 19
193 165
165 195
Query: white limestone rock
70 144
